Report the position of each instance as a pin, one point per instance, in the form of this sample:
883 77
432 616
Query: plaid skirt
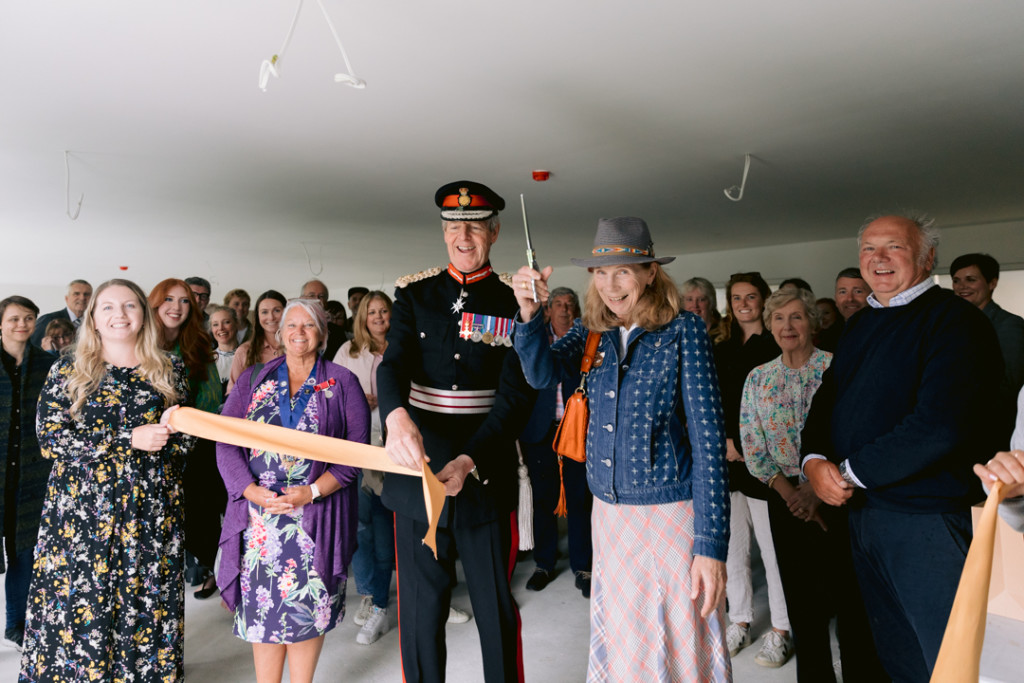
643 625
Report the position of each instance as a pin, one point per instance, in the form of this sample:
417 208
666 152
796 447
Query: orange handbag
571 435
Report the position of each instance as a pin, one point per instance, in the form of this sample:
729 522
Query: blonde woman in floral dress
105 601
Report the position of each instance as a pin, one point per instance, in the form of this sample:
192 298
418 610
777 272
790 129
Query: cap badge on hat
464 198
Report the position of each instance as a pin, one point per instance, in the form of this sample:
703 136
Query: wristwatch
314 490
844 472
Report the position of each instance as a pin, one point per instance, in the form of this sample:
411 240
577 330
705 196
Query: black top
828 340
734 360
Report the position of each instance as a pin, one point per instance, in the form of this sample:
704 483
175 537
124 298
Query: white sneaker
457 616
737 637
376 626
364 611
775 650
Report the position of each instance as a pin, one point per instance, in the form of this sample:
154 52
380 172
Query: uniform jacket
424 346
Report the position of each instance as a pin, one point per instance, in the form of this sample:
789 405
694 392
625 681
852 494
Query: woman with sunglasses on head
741 344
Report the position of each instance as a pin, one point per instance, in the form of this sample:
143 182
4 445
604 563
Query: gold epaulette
506 278
416 277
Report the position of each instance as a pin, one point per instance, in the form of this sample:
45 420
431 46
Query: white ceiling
642 108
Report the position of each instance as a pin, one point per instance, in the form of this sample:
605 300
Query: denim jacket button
657 344
609 496
610 394
607 462
609 428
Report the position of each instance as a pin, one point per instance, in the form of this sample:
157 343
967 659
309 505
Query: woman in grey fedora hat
655 461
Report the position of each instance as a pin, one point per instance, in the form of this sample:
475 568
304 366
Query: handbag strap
593 339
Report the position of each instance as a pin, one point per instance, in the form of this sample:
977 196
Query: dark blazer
1010 332
44 320
35 469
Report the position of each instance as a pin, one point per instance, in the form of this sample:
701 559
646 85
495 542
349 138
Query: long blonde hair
658 305
361 338
154 364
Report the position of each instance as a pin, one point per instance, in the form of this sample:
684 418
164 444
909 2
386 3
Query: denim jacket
656 433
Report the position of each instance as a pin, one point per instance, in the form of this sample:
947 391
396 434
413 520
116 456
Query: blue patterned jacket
656 433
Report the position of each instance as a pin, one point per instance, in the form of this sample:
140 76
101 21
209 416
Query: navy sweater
908 401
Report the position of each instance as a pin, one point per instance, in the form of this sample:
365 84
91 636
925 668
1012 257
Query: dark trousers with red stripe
425 585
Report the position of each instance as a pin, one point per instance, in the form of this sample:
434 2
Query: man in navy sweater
899 420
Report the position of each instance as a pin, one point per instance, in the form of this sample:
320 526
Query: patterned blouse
775 402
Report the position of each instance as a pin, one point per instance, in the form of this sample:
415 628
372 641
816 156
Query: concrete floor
555 642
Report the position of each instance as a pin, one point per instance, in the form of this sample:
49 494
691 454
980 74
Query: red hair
195 344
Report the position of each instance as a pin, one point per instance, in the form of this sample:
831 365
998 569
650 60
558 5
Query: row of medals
478 335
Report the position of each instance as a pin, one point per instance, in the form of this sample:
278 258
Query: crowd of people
848 436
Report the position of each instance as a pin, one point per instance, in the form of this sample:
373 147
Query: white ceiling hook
743 183
270 67
267 69
349 78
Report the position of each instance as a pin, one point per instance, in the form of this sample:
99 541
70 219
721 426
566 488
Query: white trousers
750 513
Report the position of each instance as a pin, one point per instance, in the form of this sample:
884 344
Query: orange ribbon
959 659
267 437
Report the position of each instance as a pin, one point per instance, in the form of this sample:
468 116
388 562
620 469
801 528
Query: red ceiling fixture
541 176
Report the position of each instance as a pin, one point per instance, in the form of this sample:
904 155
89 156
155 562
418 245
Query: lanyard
290 416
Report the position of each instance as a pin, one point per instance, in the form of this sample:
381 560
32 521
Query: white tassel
525 505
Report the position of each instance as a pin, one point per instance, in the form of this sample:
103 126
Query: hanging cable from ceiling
309 260
270 67
743 183
67 191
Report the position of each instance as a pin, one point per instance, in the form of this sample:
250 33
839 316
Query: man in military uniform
453 393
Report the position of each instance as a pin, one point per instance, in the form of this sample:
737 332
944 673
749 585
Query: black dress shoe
540 579
583 583
208 589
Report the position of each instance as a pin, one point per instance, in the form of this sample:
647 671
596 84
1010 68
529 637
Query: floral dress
283 600
106 599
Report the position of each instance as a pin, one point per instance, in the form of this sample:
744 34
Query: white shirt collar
904 297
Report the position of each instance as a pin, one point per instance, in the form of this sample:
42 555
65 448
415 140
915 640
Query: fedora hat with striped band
619 241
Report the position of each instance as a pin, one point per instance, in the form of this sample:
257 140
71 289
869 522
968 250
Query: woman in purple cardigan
290 525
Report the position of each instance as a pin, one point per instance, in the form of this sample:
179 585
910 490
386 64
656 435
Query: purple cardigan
331 523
